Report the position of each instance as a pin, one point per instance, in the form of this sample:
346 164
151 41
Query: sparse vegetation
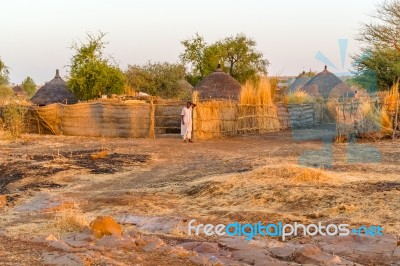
299 97
13 118
69 220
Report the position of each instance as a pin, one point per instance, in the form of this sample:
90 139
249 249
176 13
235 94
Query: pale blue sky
35 35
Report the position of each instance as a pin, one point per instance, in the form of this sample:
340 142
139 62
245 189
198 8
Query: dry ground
247 178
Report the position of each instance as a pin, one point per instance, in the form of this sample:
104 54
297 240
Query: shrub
13 118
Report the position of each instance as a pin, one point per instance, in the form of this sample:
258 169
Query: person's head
188 104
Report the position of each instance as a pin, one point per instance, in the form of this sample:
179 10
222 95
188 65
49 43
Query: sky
36 35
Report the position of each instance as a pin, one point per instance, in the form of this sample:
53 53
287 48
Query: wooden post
396 117
195 98
152 134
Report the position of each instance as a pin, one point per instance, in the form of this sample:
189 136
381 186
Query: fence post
396 117
195 99
152 122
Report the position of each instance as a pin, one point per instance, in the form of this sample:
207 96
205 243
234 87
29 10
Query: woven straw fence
98 119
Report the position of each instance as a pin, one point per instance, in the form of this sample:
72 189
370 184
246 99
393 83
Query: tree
237 55
159 79
4 72
29 86
91 74
379 59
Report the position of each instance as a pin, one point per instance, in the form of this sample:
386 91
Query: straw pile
257 111
214 118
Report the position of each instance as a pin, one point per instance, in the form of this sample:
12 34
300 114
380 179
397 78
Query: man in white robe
186 122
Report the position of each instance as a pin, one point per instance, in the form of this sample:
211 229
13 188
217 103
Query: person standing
186 121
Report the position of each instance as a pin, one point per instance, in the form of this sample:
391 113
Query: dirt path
245 178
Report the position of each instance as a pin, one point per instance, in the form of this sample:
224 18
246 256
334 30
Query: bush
13 119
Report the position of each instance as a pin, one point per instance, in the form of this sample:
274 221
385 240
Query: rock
252 256
154 224
282 252
59 244
236 243
201 259
115 242
155 244
51 238
361 249
44 202
105 226
309 254
3 201
206 247
189 245
396 254
57 259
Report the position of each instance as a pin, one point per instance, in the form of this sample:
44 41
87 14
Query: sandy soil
247 178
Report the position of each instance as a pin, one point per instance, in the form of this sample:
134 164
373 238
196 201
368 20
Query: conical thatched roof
327 85
54 91
299 82
219 85
19 91
183 85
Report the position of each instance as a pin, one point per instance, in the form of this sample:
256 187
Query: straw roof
219 85
299 82
183 85
19 91
327 84
54 91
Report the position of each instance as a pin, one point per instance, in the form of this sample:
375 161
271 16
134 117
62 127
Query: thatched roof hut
219 85
54 91
19 91
327 85
299 82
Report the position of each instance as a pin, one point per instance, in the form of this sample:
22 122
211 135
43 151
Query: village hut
185 89
19 91
298 83
218 85
54 91
328 85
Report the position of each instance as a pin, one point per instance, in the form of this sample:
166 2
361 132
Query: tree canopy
159 79
4 73
379 59
91 73
237 55
29 86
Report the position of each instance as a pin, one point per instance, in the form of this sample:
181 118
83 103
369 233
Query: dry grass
299 97
258 113
69 220
257 93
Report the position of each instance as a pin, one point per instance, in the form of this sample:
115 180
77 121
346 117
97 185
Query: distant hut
298 83
19 91
54 91
185 88
219 85
327 85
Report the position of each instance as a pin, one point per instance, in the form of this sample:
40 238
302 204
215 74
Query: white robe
186 129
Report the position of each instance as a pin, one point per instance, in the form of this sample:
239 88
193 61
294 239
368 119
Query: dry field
246 179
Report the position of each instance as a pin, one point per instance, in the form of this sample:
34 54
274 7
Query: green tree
29 86
158 79
4 73
237 55
91 73
379 59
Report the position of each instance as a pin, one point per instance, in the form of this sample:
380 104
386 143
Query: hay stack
257 112
218 85
55 91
